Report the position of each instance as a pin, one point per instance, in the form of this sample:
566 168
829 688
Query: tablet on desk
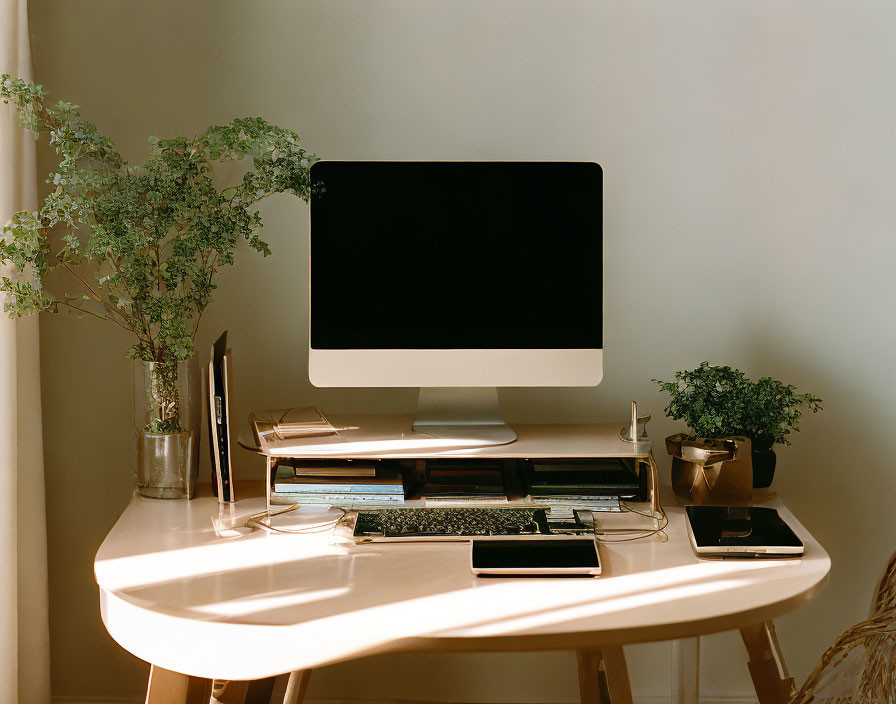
728 531
557 557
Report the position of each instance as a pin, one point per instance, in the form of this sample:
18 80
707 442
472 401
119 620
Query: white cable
660 530
261 521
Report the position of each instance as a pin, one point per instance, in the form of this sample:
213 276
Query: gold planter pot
711 471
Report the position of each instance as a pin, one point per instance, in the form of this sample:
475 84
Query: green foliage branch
716 401
142 243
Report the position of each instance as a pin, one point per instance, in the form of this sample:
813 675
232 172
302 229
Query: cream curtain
24 631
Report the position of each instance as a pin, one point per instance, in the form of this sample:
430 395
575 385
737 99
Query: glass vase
167 408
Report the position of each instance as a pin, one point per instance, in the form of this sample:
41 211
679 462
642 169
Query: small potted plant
718 401
141 246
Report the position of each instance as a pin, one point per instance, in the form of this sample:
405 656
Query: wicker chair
860 667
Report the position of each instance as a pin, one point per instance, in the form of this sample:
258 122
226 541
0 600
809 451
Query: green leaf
716 401
150 237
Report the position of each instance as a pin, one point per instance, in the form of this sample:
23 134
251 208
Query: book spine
333 472
296 487
339 499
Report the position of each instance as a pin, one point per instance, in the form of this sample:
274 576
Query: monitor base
470 416
471 435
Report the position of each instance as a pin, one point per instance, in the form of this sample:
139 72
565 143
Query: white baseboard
93 700
637 700
703 700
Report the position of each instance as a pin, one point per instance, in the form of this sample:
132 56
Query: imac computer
456 277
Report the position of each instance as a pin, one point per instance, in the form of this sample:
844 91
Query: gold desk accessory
711 471
636 430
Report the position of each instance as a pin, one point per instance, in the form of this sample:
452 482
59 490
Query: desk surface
178 596
393 436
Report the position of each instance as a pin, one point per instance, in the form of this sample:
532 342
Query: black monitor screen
454 255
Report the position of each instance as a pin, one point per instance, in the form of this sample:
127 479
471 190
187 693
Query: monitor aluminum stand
469 415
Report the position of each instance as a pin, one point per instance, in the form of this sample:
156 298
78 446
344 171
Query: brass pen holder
711 471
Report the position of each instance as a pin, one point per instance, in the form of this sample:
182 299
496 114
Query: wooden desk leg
167 687
616 670
686 670
297 686
772 682
591 687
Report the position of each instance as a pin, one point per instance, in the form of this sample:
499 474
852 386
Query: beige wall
748 151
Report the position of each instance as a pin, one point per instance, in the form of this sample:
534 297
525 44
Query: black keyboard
435 522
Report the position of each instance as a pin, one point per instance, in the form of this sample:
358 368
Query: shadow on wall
837 479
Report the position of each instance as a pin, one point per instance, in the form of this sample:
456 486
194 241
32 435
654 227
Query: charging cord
631 535
262 521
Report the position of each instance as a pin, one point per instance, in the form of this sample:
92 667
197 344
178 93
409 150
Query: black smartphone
558 557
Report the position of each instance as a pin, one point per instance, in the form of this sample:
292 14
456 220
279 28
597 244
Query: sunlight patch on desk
408 445
250 605
256 550
493 605
567 613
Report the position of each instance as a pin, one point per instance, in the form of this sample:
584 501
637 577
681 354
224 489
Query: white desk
176 595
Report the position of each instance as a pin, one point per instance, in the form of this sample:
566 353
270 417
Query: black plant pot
763 468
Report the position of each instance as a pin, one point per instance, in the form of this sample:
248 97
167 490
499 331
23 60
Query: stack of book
596 484
468 481
338 483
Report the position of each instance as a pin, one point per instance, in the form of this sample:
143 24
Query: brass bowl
712 471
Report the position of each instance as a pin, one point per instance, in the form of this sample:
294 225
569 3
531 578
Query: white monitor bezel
400 368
